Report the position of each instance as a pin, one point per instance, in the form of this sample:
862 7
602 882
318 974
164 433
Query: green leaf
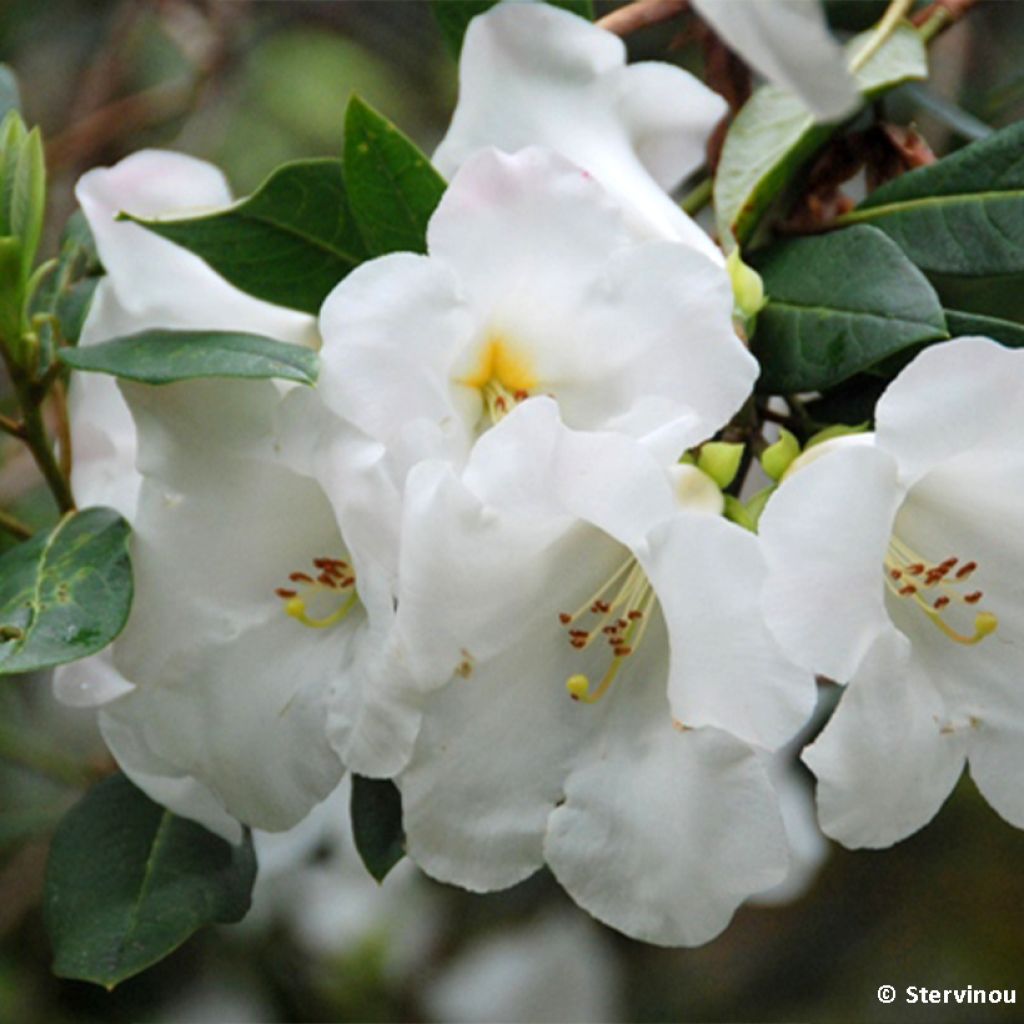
128 882
453 16
289 243
774 135
392 186
10 99
963 215
165 356
376 809
839 303
64 594
1005 331
28 198
10 293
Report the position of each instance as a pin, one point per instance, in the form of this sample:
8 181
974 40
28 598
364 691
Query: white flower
250 608
896 566
557 968
788 42
150 283
610 668
531 74
534 286
251 603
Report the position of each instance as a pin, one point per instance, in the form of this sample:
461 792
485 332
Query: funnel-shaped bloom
531 74
534 285
897 566
596 623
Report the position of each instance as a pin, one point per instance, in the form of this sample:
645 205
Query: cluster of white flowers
470 559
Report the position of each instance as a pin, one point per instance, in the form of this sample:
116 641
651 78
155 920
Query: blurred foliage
249 85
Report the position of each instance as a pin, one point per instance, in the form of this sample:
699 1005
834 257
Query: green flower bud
776 458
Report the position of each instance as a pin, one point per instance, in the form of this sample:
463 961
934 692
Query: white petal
535 75
489 765
887 760
824 535
954 397
228 687
89 682
726 670
532 464
663 834
157 283
788 42
391 331
164 781
555 969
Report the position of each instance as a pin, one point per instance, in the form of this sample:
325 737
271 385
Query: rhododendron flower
531 74
534 285
895 566
150 283
251 608
598 622
788 42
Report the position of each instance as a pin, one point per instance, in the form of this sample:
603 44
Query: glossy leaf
774 135
289 243
963 215
838 304
453 16
128 882
392 186
165 356
65 593
376 809
1005 331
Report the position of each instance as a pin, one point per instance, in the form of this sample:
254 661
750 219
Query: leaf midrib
902 206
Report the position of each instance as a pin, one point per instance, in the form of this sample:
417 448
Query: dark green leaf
1006 331
9 96
962 216
65 593
392 186
838 304
163 357
774 135
453 16
377 824
289 243
128 882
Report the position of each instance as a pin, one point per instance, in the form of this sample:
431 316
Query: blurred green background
249 85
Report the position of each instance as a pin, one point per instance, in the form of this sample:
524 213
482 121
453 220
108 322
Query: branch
640 14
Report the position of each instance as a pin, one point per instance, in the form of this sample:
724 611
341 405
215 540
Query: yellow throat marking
503 376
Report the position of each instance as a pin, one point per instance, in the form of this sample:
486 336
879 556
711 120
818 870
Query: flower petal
662 834
534 75
887 760
954 397
788 42
824 534
726 668
391 331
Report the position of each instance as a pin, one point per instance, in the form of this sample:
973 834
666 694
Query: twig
697 198
640 14
60 409
12 427
14 526
938 16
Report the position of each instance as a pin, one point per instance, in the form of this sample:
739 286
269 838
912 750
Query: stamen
334 576
631 606
901 561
